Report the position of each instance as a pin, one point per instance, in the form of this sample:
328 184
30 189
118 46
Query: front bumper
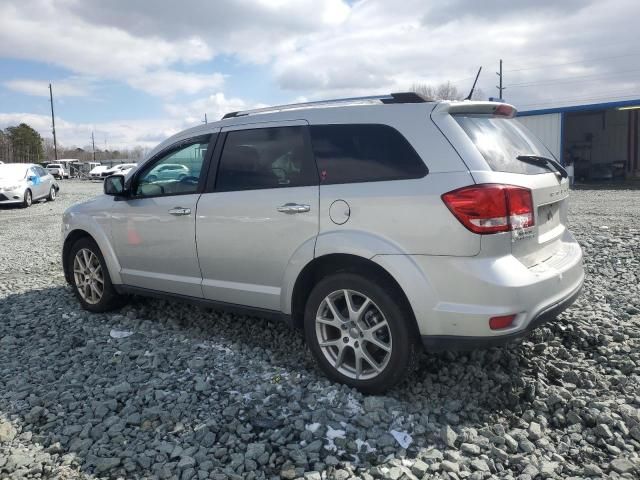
8 197
439 343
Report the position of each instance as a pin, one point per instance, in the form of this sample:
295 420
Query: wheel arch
324 265
76 234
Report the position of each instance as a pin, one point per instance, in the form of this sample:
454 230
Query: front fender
96 224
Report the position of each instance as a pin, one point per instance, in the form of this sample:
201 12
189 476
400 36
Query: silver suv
377 225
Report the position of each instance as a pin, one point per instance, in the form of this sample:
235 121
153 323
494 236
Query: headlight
10 187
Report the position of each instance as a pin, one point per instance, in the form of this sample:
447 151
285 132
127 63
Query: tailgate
490 140
550 200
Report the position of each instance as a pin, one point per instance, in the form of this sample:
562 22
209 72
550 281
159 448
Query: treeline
23 144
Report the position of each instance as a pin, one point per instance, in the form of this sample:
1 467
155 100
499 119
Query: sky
135 72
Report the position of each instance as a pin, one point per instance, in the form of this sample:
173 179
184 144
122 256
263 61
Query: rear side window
364 153
266 158
501 141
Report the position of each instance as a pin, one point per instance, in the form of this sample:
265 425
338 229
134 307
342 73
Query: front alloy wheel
88 276
28 199
353 334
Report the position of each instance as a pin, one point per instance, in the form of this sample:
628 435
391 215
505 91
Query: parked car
24 183
96 172
378 226
168 172
122 169
57 170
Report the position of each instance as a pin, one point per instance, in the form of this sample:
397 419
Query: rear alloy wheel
359 334
28 199
90 277
52 194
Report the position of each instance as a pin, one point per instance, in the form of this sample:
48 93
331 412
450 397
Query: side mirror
114 185
32 178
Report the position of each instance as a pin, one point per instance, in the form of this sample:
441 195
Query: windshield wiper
548 163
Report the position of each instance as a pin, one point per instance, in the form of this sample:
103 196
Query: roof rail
401 97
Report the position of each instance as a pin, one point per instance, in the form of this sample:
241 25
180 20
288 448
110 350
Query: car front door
153 228
46 179
37 183
260 212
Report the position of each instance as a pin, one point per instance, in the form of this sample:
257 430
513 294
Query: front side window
364 153
177 172
265 158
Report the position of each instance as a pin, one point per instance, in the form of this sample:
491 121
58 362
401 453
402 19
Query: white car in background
96 172
25 183
57 170
121 169
169 171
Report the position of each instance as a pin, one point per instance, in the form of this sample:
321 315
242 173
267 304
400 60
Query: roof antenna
474 85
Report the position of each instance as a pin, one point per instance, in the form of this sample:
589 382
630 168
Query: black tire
387 299
27 201
110 299
52 194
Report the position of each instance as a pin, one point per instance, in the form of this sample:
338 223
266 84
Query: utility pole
205 118
53 124
500 87
93 143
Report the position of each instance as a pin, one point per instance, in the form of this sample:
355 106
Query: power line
573 62
580 99
593 76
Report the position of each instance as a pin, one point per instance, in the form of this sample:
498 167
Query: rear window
501 141
364 153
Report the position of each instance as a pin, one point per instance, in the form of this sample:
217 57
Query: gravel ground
165 390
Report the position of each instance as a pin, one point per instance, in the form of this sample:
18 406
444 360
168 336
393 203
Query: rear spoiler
496 109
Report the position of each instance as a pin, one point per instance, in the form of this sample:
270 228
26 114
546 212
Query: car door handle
180 211
293 208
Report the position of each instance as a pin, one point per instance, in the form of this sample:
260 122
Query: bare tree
444 91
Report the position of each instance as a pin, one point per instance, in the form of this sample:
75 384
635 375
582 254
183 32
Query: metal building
601 140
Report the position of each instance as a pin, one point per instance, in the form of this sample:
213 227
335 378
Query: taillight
491 208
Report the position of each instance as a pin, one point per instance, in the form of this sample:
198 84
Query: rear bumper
439 343
453 298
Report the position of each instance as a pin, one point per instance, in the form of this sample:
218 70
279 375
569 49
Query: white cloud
215 106
129 133
119 134
39 30
385 46
168 82
72 87
318 49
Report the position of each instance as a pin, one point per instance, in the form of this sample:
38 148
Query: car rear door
260 213
154 229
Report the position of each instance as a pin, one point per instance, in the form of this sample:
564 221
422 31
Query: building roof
581 108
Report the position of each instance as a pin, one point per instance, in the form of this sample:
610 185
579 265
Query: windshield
13 172
53 165
501 141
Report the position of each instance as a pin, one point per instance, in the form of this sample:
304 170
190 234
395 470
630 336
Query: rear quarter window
501 141
355 153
